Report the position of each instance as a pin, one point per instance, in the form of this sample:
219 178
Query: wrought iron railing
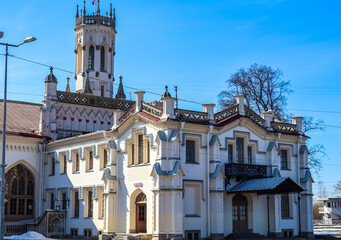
151 110
127 115
226 113
52 224
96 101
191 116
254 117
95 19
284 127
245 170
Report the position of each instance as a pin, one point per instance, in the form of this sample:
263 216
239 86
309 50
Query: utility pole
176 96
3 157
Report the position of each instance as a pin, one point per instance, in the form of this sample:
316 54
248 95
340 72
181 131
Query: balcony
245 170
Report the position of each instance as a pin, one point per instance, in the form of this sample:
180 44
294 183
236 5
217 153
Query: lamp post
3 163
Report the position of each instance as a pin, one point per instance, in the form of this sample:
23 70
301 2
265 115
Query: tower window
102 59
102 91
91 57
240 150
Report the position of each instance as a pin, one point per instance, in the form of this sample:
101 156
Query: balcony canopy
278 185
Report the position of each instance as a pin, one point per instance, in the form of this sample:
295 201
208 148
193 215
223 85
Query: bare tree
262 87
321 190
265 90
337 187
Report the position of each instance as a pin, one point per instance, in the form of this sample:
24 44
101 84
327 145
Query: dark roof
51 78
275 185
22 117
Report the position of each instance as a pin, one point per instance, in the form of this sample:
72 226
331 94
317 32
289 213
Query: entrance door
239 214
141 213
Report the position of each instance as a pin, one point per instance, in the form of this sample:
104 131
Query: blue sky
196 45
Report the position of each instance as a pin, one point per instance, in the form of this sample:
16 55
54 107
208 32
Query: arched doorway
141 213
239 214
19 194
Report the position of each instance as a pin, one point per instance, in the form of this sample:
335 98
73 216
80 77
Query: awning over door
277 185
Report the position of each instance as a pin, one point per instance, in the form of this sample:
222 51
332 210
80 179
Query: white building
158 172
331 210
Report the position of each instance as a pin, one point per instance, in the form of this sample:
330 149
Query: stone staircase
124 236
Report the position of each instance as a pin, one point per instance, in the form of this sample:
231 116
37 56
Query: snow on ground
29 236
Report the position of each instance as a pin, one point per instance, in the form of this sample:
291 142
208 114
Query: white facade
161 172
331 210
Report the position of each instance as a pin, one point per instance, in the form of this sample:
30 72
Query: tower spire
87 88
84 12
110 15
77 15
120 92
114 14
67 89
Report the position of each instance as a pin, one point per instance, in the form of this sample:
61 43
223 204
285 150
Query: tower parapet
96 19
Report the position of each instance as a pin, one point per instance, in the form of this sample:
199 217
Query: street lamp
3 165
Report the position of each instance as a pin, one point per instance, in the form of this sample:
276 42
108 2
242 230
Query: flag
94 2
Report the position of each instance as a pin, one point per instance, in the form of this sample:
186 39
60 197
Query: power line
71 72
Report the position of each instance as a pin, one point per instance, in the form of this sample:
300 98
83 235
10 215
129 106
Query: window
64 201
102 59
51 200
230 153
76 206
284 159
90 161
285 207
91 57
76 162
139 152
249 155
90 204
192 235
19 194
240 150
140 149
190 151
52 167
87 232
63 165
74 232
102 91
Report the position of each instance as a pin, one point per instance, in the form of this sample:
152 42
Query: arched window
91 57
102 59
20 199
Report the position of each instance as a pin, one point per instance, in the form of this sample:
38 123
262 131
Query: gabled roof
274 185
21 117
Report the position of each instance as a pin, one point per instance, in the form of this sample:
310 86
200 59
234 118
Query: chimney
298 122
240 101
209 109
268 117
139 100
117 115
168 105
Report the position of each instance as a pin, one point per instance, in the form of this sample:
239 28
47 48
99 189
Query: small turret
77 15
120 92
84 12
110 15
50 86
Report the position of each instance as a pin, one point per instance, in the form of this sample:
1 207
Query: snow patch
29 236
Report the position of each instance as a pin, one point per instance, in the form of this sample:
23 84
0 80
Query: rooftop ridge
22 102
